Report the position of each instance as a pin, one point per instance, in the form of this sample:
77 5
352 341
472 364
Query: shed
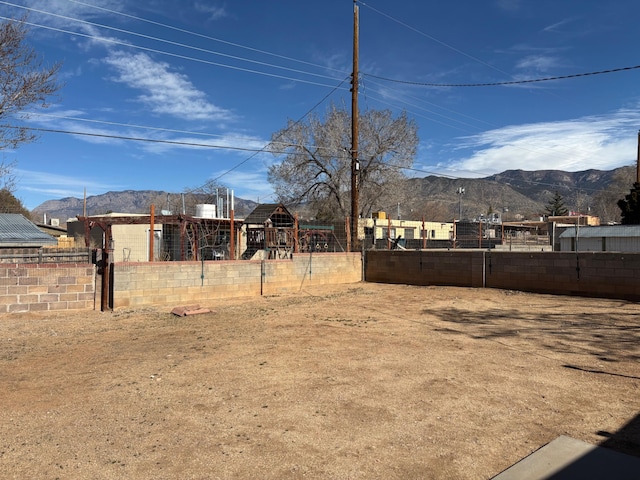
18 232
270 228
604 238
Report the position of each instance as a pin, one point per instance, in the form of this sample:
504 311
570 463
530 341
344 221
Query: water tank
205 210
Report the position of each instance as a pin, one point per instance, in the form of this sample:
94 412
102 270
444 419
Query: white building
605 238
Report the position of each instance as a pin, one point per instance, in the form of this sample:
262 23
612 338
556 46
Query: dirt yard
360 381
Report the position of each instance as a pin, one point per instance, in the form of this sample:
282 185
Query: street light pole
460 192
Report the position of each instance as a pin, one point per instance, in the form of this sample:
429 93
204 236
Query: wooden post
347 229
296 233
106 270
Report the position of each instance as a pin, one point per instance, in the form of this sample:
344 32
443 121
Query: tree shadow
607 336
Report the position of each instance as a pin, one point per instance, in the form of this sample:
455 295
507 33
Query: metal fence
45 255
213 241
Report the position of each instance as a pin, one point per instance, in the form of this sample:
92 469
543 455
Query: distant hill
131 201
540 185
518 193
514 193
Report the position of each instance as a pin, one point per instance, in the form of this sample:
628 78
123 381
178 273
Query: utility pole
355 165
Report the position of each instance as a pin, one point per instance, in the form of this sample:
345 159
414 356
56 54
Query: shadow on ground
607 336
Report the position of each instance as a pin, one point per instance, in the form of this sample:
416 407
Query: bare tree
24 83
316 168
7 176
606 201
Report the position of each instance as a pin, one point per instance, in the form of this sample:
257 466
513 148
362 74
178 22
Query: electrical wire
432 38
175 55
295 123
207 37
129 125
161 40
511 82
274 66
182 143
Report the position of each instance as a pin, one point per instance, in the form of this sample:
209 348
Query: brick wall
42 287
188 283
592 274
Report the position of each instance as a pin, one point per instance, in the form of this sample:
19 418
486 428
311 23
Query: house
21 241
175 237
129 239
604 238
380 230
18 232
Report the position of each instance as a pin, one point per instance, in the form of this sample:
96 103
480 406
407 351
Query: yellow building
411 233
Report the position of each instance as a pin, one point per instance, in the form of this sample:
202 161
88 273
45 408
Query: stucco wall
594 274
42 287
188 283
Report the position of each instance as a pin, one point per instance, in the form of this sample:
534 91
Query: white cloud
558 25
243 145
248 185
212 11
600 142
165 92
59 186
70 15
541 63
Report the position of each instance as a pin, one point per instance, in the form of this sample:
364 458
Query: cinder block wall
188 283
424 267
590 274
42 287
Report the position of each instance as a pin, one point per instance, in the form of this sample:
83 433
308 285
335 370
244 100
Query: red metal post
152 219
232 247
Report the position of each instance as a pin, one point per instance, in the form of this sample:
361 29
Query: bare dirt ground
361 381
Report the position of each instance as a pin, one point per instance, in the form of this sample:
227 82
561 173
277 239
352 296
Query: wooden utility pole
355 166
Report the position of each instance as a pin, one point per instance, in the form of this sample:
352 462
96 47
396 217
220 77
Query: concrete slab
566 458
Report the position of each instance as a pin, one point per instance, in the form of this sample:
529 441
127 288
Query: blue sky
208 74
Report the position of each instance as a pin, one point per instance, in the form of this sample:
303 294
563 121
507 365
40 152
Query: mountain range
516 193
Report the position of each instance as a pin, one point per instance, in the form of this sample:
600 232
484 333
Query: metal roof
266 211
17 231
608 231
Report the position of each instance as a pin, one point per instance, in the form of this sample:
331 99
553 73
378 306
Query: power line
157 39
451 85
149 140
432 38
184 57
171 27
512 82
129 125
295 123
182 143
